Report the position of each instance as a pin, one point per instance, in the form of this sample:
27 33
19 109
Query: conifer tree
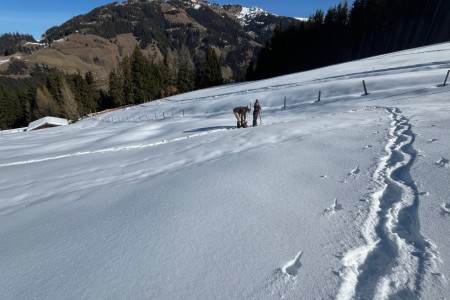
9 109
210 73
140 79
185 79
84 94
116 87
128 86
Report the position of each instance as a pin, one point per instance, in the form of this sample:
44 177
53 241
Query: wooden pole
365 88
446 77
318 100
284 102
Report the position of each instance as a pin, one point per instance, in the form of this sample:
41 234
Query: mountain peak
248 14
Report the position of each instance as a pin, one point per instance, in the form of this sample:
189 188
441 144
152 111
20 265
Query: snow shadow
209 128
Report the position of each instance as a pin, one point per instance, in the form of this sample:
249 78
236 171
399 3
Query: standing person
240 113
256 110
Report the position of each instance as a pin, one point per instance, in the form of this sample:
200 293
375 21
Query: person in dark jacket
240 113
256 110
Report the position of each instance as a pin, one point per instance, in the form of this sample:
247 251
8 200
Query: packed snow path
396 261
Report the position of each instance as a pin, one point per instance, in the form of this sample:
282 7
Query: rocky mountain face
174 31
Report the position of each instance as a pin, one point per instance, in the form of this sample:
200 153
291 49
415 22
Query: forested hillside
343 33
46 92
10 43
180 29
185 45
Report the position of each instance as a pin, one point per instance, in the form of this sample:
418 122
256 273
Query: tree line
343 33
46 92
11 43
136 79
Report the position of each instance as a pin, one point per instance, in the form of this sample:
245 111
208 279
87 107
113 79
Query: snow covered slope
345 198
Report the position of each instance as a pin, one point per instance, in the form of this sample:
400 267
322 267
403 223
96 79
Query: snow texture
346 198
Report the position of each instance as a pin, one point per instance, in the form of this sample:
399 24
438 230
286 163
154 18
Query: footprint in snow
284 279
354 172
293 266
445 208
334 208
443 163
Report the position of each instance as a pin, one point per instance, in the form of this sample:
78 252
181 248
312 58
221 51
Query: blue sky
35 17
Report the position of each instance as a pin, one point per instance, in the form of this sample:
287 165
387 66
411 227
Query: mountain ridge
173 31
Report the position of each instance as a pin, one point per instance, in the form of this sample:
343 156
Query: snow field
344 198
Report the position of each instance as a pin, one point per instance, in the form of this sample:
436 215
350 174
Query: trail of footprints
369 270
394 244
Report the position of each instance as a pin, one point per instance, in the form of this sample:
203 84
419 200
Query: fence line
182 113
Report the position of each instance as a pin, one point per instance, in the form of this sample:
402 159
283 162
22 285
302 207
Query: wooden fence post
446 77
365 88
284 102
318 99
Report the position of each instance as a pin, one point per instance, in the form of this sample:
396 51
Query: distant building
47 122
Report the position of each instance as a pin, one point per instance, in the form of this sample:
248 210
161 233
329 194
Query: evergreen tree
26 98
250 72
54 84
89 77
84 94
210 73
10 111
116 85
140 76
128 87
185 79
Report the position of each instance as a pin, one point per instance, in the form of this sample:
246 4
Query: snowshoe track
396 261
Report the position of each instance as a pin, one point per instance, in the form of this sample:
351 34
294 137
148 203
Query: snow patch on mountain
248 14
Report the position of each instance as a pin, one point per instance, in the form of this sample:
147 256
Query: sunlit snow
345 198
